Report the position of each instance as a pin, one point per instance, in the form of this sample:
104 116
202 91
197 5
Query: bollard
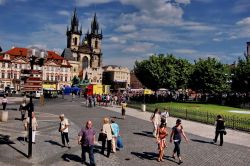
143 107
4 116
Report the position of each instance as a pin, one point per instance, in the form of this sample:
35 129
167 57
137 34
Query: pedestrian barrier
233 122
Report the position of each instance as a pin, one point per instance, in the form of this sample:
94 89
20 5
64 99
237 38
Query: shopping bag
119 142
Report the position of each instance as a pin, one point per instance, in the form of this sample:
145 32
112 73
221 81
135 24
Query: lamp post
36 57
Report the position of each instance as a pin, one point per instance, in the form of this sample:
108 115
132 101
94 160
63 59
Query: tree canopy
209 76
163 71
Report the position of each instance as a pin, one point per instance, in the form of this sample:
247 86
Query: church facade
84 53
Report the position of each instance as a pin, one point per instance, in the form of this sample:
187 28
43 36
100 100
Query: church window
96 44
75 41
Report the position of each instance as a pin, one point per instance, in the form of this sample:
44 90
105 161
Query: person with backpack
176 134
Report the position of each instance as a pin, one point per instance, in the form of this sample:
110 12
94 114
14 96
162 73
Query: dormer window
7 56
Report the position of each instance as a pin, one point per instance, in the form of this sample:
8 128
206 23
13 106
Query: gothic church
84 54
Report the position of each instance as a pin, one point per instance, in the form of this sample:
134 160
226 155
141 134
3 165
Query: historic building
116 76
135 83
84 54
54 73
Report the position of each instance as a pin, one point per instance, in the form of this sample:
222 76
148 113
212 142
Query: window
75 41
15 76
9 76
16 66
96 44
3 75
61 78
47 77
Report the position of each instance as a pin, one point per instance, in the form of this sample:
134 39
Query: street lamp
36 57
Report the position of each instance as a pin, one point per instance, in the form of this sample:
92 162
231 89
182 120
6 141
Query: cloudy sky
133 29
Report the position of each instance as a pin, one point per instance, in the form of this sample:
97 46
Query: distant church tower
95 40
85 55
74 33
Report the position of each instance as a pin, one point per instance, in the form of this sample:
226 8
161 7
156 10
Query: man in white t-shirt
165 115
64 129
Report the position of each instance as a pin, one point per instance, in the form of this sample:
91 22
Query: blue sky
133 29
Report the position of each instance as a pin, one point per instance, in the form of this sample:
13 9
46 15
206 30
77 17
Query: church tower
74 33
95 40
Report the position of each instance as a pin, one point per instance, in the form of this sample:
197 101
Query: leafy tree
163 71
241 76
75 81
209 76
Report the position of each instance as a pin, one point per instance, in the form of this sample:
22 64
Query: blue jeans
90 150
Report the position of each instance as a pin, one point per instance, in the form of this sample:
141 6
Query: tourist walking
86 138
34 126
4 102
175 137
23 109
161 139
220 129
116 130
123 110
165 115
156 120
106 129
64 129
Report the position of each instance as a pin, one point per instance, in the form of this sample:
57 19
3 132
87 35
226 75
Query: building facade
55 72
135 83
84 54
116 76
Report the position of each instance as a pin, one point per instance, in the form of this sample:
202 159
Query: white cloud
185 51
2 2
217 39
116 39
126 28
139 47
245 21
196 26
63 13
183 1
91 2
158 12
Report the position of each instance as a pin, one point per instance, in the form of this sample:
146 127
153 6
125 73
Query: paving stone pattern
140 147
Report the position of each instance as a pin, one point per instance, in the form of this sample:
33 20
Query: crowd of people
109 134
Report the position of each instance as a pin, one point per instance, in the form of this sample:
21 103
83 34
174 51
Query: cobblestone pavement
140 148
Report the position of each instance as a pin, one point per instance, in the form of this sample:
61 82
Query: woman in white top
156 120
34 126
4 102
106 128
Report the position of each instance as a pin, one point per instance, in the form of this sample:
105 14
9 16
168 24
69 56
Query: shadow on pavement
53 143
202 141
148 132
146 155
5 139
115 117
71 157
144 134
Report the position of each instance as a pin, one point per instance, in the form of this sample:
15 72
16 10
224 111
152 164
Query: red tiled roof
17 51
53 55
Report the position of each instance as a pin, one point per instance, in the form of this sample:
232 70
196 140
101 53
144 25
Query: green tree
163 71
241 76
209 76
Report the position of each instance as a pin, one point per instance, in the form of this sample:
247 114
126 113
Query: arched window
96 44
75 40
85 62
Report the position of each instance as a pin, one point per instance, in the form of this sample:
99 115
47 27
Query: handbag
119 142
225 132
102 136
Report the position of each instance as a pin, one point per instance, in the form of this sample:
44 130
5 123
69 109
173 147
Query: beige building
116 76
85 55
55 72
